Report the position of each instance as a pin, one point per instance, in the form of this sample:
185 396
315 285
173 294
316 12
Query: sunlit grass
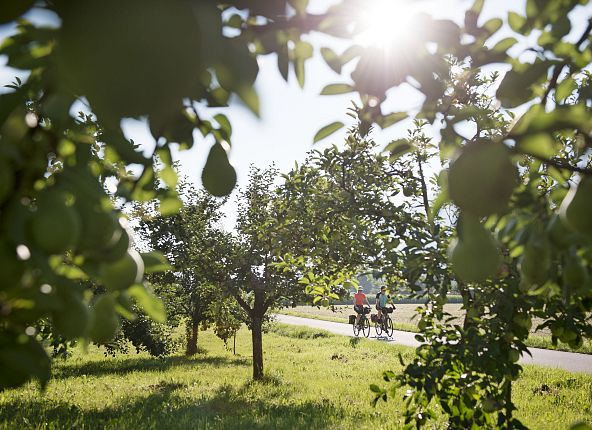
314 380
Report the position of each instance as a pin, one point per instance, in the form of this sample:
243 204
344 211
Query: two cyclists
383 323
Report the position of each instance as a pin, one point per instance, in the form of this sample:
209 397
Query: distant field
314 380
403 319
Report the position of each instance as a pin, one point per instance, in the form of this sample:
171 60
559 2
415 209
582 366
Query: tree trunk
192 338
257 347
424 189
234 344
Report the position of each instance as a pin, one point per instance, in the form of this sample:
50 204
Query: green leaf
441 199
250 98
151 305
516 21
169 205
283 61
399 147
477 6
504 44
493 25
392 118
333 89
332 59
537 120
303 50
169 176
225 125
327 131
375 388
299 71
565 89
155 262
540 145
517 86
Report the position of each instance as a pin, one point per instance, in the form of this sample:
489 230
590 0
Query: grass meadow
314 380
404 319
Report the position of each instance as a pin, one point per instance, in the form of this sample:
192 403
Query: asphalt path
570 361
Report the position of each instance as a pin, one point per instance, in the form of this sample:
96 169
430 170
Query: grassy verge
403 320
314 380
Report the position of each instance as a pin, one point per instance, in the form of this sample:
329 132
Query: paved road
571 361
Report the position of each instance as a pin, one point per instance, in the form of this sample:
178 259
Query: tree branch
559 67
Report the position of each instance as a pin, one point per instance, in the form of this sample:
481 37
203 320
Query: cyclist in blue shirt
381 300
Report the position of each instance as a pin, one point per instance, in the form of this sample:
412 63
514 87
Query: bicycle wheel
356 328
378 328
366 327
389 327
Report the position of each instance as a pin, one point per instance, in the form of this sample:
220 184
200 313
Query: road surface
570 361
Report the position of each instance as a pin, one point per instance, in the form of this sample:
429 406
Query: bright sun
385 23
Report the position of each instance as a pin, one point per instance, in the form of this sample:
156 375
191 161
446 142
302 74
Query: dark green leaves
25 357
13 9
327 131
519 83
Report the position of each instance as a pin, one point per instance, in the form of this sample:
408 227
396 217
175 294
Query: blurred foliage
518 189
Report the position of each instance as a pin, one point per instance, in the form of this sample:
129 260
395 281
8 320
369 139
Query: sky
290 116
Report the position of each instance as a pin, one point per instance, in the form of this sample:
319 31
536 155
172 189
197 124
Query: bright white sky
291 116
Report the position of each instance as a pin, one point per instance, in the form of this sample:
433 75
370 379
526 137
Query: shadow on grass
143 364
227 408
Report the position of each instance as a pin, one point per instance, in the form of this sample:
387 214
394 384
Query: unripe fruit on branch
126 271
535 262
55 226
576 208
474 254
104 322
482 178
72 321
218 175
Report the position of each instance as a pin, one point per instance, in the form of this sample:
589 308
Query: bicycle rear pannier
373 317
352 319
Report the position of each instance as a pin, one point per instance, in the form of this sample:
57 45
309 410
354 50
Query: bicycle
385 324
363 324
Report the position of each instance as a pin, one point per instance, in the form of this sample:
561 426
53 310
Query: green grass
404 319
314 380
